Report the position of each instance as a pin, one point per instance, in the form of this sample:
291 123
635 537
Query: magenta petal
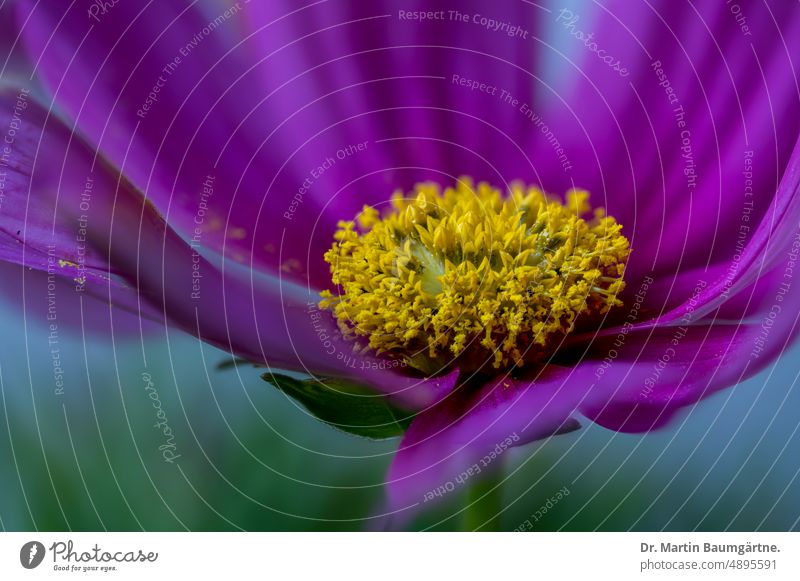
639 386
264 115
742 288
160 90
321 80
463 429
363 73
15 67
107 312
634 381
260 318
643 374
767 245
49 181
674 177
53 223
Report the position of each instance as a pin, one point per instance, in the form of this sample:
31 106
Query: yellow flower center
469 276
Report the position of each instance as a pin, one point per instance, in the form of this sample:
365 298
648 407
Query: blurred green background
252 459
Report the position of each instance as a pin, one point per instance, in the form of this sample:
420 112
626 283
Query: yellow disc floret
469 276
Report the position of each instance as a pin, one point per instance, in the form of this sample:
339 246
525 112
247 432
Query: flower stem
485 501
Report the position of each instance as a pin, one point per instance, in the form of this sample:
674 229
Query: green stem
485 501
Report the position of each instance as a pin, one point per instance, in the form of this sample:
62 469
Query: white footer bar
400 556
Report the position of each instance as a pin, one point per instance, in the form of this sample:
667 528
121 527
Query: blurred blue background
249 458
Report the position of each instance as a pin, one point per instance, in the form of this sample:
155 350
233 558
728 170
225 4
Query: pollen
470 276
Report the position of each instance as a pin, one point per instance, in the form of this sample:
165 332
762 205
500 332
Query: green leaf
345 405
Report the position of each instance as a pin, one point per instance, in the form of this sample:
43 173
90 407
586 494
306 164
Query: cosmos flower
287 184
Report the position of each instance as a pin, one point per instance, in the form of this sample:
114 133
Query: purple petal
470 431
768 245
112 229
327 76
159 91
107 312
643 376
647 383
738 289
323 79
48 182
634 381
699 95
14 64
263 319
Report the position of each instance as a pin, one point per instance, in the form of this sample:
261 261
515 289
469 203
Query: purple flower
190 163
